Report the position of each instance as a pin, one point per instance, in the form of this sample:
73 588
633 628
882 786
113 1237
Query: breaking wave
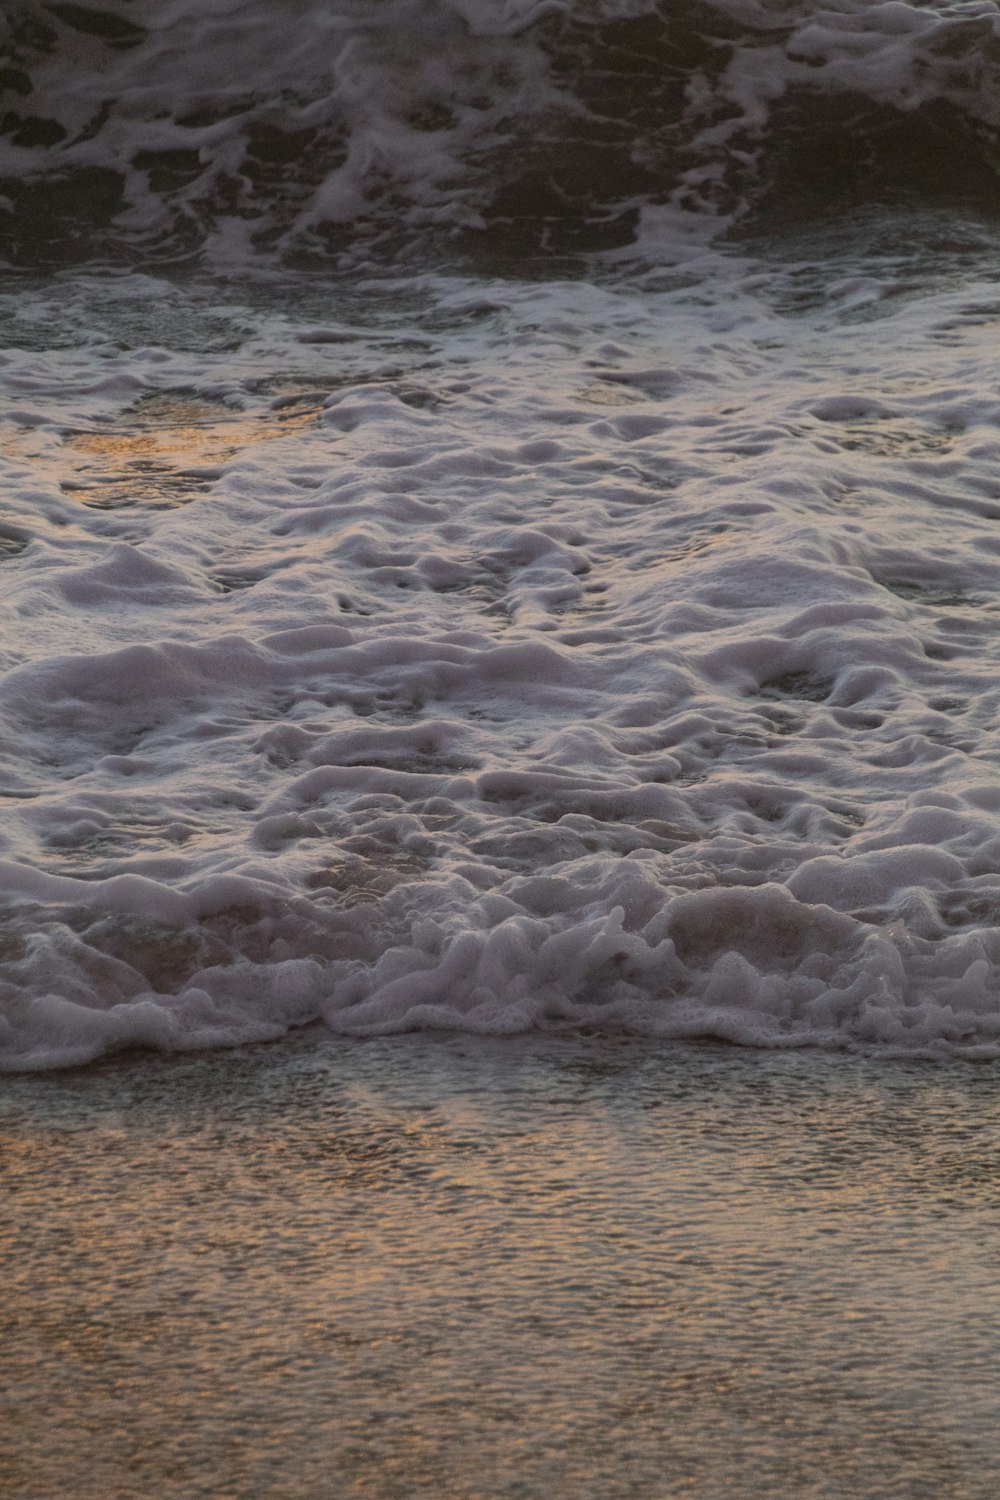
207 127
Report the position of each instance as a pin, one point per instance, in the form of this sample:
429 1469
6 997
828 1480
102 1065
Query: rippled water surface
510 1269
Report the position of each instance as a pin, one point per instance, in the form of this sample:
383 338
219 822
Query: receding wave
452 640
299 131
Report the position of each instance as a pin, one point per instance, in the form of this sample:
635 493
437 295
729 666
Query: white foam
617 658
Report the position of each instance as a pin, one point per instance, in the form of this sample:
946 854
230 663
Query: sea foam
500 656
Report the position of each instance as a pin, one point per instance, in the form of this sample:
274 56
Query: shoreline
509 1268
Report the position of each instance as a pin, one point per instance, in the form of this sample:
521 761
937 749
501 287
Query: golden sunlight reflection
170 447
165 449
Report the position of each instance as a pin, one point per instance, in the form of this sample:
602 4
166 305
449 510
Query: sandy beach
452 1267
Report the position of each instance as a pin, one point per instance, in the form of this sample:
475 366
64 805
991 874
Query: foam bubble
459 696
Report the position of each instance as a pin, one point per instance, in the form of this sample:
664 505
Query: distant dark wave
300 130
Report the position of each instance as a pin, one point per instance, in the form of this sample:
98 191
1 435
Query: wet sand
570 1270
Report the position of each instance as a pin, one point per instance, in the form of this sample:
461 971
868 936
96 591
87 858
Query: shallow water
506 653
522 1268
499 523
499 591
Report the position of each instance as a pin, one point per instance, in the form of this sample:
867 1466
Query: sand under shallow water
525 1268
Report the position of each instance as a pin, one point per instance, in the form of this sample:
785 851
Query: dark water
317 131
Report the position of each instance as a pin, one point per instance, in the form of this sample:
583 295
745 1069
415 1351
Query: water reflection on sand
463 1268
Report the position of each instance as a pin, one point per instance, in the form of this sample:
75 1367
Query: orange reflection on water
169 447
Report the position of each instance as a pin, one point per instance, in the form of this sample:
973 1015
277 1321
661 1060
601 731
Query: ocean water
499 542
500 523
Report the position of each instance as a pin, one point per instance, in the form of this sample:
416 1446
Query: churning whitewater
453 581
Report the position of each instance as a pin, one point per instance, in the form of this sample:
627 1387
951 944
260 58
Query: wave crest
227 128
